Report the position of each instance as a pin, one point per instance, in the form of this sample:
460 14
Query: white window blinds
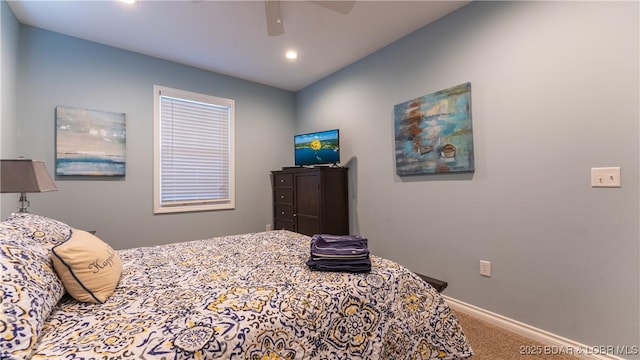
194 155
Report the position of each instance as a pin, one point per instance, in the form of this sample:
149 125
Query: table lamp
24 176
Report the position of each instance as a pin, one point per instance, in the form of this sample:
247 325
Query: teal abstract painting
433 133
89 142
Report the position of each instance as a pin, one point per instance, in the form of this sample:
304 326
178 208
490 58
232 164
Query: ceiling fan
275 25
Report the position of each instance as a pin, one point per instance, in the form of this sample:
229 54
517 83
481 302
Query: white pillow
88 267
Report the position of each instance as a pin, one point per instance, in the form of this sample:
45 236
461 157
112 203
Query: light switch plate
605 177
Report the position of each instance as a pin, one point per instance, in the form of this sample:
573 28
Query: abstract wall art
89 142
433 133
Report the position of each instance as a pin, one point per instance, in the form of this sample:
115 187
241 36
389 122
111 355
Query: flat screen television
317 148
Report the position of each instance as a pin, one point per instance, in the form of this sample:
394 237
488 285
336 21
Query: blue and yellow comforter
252 296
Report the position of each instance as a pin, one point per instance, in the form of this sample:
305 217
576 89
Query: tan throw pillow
88 267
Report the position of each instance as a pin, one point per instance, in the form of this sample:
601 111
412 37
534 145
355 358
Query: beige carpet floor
490 342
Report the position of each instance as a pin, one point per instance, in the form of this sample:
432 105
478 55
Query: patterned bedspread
252 296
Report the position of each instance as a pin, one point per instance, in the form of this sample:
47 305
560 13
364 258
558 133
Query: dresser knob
281 180
281 196
282 213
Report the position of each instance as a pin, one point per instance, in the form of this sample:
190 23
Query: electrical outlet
268 227
605 177
485 268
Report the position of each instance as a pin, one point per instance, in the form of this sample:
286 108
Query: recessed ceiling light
130 2
291 55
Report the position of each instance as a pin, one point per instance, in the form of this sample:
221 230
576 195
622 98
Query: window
193 151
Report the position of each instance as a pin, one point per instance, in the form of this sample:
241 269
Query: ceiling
230 37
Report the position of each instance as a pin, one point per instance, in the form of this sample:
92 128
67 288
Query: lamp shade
25 176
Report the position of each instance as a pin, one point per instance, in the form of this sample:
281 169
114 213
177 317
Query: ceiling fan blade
275 26
342 7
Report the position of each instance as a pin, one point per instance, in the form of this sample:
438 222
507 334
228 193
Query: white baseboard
553 344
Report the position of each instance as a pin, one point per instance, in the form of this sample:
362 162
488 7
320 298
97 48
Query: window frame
189 206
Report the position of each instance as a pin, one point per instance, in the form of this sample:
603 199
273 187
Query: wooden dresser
311 200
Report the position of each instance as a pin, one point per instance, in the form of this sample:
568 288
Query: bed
248 296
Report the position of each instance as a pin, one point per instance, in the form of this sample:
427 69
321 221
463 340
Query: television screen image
317 148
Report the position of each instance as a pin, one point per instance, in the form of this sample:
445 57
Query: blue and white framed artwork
433 133
90 142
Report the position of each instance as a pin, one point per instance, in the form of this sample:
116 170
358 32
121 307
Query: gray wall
9 29
59 70
555 91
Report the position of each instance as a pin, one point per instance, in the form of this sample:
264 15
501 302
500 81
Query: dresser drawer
283 196
283 212
284 225
282 180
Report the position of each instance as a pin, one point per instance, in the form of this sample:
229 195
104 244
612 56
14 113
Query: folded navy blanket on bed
353 265
339 253
339 246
